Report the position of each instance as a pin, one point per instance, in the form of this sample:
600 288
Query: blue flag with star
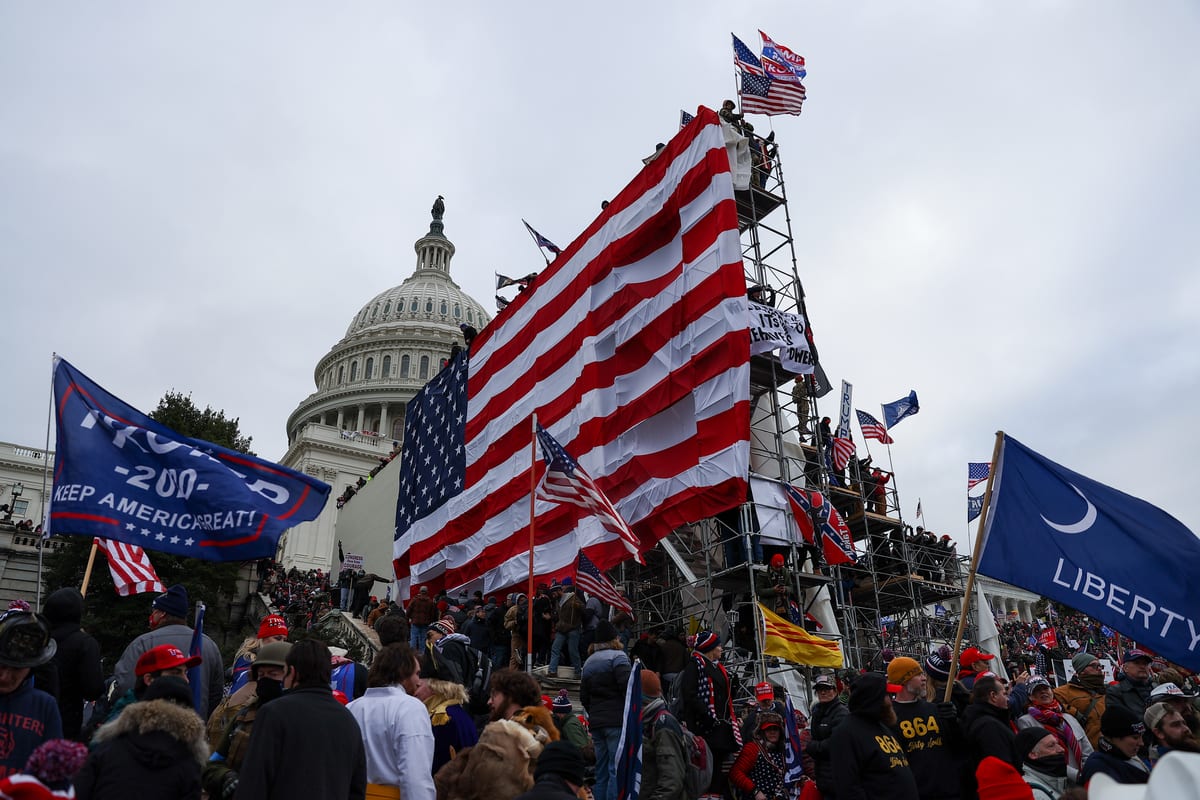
120 475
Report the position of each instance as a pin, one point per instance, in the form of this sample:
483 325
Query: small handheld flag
567 482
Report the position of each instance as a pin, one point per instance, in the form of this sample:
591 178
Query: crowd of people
445 710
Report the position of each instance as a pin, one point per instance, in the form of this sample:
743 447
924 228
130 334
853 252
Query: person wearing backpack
706 695
665 764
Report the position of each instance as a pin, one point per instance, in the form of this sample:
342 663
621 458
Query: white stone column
383 419
341 418
362 413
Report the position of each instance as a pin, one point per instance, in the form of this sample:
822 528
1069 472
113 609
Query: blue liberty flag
195 676
629 746
120 475
898 410
1116 558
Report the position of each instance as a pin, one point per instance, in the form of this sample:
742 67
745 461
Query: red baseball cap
165 656
763 691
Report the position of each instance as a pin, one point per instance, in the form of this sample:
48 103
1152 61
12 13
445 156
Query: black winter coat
826 717
989 732
305 744
80 674
153 751
602 687
548 787
719 736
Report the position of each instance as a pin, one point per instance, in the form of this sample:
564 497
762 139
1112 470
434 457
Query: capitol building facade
355 418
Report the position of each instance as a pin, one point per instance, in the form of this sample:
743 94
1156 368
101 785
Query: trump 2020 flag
120 475
1118 559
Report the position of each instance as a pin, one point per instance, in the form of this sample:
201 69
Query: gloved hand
229 786
947 711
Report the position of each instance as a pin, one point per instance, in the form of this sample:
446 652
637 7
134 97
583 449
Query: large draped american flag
633 350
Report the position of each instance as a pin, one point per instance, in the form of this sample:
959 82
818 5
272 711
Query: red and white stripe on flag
579 489
132 572
636 341
843 451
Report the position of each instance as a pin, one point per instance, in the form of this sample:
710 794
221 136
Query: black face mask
1051 765
268 689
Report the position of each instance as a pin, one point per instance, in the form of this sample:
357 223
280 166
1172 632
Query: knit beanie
937 666
606 631
443 626
998 780
651 685
272 625
561 758
562 703
1027 739
706 641
902 669
1082 661
1117 721
867 692
173 602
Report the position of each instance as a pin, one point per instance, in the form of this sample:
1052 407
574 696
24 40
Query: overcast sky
993 204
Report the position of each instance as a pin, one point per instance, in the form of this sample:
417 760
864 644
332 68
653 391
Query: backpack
674 698
698 762
478 678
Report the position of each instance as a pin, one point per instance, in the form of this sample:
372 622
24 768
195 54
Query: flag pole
970 587
529 591
87 573
545 257
41 545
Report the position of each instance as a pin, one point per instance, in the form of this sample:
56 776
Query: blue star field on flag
434 465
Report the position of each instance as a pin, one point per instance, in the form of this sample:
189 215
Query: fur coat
155 745
500 765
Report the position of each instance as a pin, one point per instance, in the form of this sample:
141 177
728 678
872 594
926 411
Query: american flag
843 451
636 339
566 482
132 572
685 118
745 59
872 428
542 241
772 51
762 94
629 745
977 473
591 580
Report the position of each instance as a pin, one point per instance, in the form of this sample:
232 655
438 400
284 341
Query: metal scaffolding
711 573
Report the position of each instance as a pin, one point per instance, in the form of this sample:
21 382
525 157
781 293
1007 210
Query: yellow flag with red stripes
792 643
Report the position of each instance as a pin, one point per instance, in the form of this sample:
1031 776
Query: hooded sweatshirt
77 659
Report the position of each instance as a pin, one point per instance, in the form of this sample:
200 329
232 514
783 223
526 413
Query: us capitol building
339 433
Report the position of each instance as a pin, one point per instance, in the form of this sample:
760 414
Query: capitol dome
392 347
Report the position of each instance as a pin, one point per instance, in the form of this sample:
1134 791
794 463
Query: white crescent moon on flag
1089 517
